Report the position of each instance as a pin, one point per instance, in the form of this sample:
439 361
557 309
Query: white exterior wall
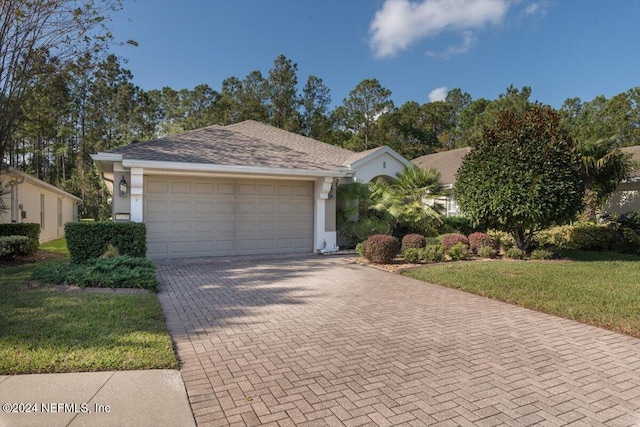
380 165
27 206
625 199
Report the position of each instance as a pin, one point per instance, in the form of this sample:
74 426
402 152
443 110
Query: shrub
459 251
119 272
12 246
433 253
557 237
593 237
514 253
433 240
502 239
448 240
487 252
542 254
457 224
360 249
478 240
413 241
381 248
31 231
413 255
88 240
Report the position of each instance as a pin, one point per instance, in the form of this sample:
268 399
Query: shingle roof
247 143
635 152
361 155
446 162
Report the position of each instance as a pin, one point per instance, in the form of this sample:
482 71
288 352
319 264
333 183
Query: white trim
39 183
383 150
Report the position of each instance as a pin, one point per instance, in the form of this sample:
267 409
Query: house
31 200
626 198
246 188
447 163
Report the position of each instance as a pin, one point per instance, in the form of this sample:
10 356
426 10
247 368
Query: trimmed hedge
433 253
478 240
413 255
89 240
459 251
381 248
413 241
12 246
30 230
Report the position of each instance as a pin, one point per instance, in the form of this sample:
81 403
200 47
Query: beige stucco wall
625 199
36 204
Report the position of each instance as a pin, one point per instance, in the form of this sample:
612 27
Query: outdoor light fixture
123 187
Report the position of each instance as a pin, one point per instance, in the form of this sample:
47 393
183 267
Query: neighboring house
246 188
447 163
626 198
29 199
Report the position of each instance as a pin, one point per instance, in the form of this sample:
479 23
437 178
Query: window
42 211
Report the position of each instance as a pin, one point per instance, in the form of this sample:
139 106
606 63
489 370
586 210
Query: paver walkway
322 341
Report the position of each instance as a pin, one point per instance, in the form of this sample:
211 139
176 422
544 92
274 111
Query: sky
418 49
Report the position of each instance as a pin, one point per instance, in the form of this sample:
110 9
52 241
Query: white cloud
399 23
532 9
438 94
467 41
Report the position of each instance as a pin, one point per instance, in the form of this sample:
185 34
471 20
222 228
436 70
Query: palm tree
360 213
412 199
604 166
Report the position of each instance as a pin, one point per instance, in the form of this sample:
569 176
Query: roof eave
231 169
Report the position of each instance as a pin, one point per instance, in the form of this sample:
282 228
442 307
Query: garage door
211 217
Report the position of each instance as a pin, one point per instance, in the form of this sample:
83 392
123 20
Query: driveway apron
319 340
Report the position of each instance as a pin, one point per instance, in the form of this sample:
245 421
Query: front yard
598 288
44 330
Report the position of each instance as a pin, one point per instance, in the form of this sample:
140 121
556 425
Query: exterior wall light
124 190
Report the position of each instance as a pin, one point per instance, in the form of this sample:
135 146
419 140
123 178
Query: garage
191 217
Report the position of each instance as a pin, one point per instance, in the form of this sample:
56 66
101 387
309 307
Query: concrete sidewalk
122 398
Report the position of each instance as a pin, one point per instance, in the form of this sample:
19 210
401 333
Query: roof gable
446 162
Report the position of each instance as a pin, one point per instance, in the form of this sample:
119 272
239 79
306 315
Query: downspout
15 216
59 215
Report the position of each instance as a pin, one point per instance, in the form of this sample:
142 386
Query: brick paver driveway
321 341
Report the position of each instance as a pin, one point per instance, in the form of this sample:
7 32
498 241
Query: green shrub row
119 272
430 253
590 237
89 240
12 246
29 230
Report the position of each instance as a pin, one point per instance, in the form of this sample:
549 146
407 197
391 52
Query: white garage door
189 217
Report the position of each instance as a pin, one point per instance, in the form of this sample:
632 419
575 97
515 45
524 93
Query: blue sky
416 48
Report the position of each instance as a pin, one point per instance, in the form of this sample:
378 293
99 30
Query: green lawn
53 331
58 246
601 289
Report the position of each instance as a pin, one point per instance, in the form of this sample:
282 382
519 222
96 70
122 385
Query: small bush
502 239
459 251
413 241
448 240
457 224
88 240
433 253
542 254
360 249
381 248
31 231
555 237
478 240
593 238
487 252
13 246
119 272
514 253
433 240
413 255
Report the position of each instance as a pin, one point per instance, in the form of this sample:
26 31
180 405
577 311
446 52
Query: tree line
60 105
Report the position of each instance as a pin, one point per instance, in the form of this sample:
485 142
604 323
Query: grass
53 331
598 288
58 246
